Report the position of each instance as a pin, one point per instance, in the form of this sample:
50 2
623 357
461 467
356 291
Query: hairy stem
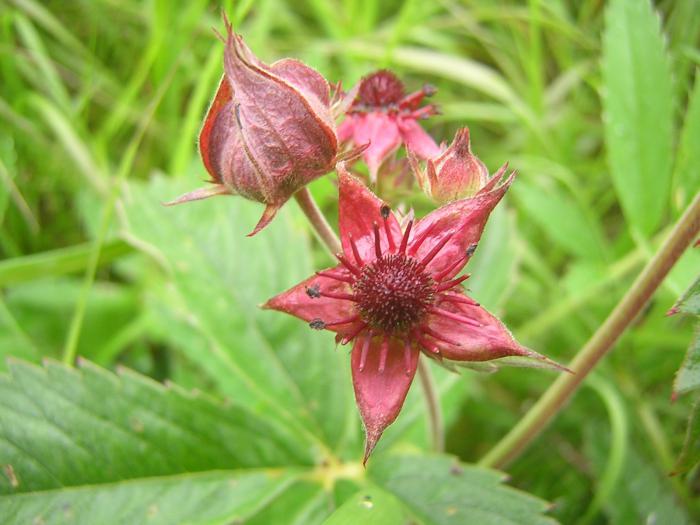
602 341
318 221
432 404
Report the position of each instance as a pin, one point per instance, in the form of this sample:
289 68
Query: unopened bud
454 174
269 130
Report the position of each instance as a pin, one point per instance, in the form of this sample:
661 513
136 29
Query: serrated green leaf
209 498
689 302
90 446
690 454
371 506
61 427
440 491
259 358
688 376
638 106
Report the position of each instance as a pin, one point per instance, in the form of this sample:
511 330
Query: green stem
602 341
432 403
324 231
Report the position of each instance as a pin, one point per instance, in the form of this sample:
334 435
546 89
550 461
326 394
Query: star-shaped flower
397 293
384 117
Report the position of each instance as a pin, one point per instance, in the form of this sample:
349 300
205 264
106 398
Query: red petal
346 129
358 210
383 136
298 303
380 396
463 220
222 97
491 340
417 139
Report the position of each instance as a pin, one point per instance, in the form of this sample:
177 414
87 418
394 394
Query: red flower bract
384 117
397 293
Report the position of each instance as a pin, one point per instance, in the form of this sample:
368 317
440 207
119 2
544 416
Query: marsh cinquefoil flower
384 117
397 293
269 131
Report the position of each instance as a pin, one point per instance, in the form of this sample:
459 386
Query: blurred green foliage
596 104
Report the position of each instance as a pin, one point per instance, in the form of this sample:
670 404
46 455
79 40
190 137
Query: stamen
407 356
342 278
317 324
424 112
462 299
377 244
432 333
385 211
451 284
412 100
436 249
347 264
417 243
343 321
355 251
364 350
440 276
337 295
404 239
383 353
455 317
352 335
313 291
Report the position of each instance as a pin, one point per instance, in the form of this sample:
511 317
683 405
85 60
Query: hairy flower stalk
398 293
383 116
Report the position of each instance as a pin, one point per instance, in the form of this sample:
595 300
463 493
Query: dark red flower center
380 89
393 293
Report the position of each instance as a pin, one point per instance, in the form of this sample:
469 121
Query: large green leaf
94 447
209 498
262 359
438 490
371 506
62 427
638 105
688 376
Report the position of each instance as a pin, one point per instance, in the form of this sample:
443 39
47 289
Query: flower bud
454 174
268 132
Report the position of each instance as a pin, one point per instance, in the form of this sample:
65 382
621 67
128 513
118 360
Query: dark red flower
397 293
385 117
269 131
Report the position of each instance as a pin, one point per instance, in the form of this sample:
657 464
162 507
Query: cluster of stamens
383 91
394 293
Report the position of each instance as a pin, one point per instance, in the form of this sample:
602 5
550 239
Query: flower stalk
602 341
432 405
318 221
